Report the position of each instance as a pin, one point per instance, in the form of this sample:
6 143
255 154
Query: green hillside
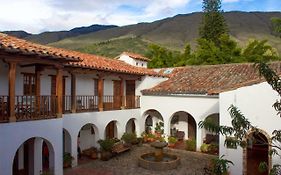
174 33
112 48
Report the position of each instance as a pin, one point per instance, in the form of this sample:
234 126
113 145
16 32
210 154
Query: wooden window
29 84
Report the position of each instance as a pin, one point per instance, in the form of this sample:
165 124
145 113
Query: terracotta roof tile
103 63
13 44
75 59
212 79
136 56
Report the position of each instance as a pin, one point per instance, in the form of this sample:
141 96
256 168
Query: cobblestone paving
192 163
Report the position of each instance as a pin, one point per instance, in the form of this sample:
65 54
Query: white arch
137 126
35 144
117 131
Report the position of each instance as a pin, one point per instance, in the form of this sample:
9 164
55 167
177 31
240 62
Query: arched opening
34 156
86 143
131 126
211 139
111 130
183 127
257 152
151 118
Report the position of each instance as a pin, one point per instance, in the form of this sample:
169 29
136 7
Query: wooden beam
59 92
12 79
100 94
73 93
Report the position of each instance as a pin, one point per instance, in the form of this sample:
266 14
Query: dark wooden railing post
12 79
59 92
73 93
122 93
100 94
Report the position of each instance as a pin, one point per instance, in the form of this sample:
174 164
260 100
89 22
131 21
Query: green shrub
190 145
204 147
172 139
107 144
129 138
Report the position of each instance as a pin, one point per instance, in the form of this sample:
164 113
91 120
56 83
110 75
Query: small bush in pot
172 141
129 138
106 146
190 145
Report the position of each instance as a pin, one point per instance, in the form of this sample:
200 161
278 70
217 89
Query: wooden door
117 100
110 130
53 92
130 93
257 152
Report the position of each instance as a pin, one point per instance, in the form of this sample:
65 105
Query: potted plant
129 138
106 146
190 145
159 129
219 166
67 160
172 141
151 137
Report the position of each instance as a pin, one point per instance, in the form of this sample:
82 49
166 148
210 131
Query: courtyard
192 163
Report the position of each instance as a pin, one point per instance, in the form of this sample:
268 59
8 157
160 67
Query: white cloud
37 15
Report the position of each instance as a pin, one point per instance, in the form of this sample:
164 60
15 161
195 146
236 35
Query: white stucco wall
14 134
134 62
255 102
148 82
197 106
74 122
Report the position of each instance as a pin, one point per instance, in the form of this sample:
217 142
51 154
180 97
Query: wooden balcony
29 108
45 107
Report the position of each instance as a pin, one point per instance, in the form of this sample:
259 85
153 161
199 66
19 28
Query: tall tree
213 24
276 24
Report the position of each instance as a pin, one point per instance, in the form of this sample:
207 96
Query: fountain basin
149 161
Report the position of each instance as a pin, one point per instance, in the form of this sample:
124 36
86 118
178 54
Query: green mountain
49 37
173 33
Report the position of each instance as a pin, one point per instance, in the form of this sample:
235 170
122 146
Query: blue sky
51 15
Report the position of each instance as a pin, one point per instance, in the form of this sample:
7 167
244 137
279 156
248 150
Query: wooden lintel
29 59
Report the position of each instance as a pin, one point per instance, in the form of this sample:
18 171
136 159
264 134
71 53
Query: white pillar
199 139
166 128
74 150
38 142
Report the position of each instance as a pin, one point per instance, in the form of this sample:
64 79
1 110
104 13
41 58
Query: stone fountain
158 160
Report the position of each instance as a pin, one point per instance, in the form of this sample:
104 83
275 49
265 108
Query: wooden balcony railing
88 103
45 107
35 107
132 102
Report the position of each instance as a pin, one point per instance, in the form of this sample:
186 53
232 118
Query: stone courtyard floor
192 163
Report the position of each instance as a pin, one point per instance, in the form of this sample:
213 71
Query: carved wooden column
59 92
73 93
122 93
12 79
100 93
38 70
